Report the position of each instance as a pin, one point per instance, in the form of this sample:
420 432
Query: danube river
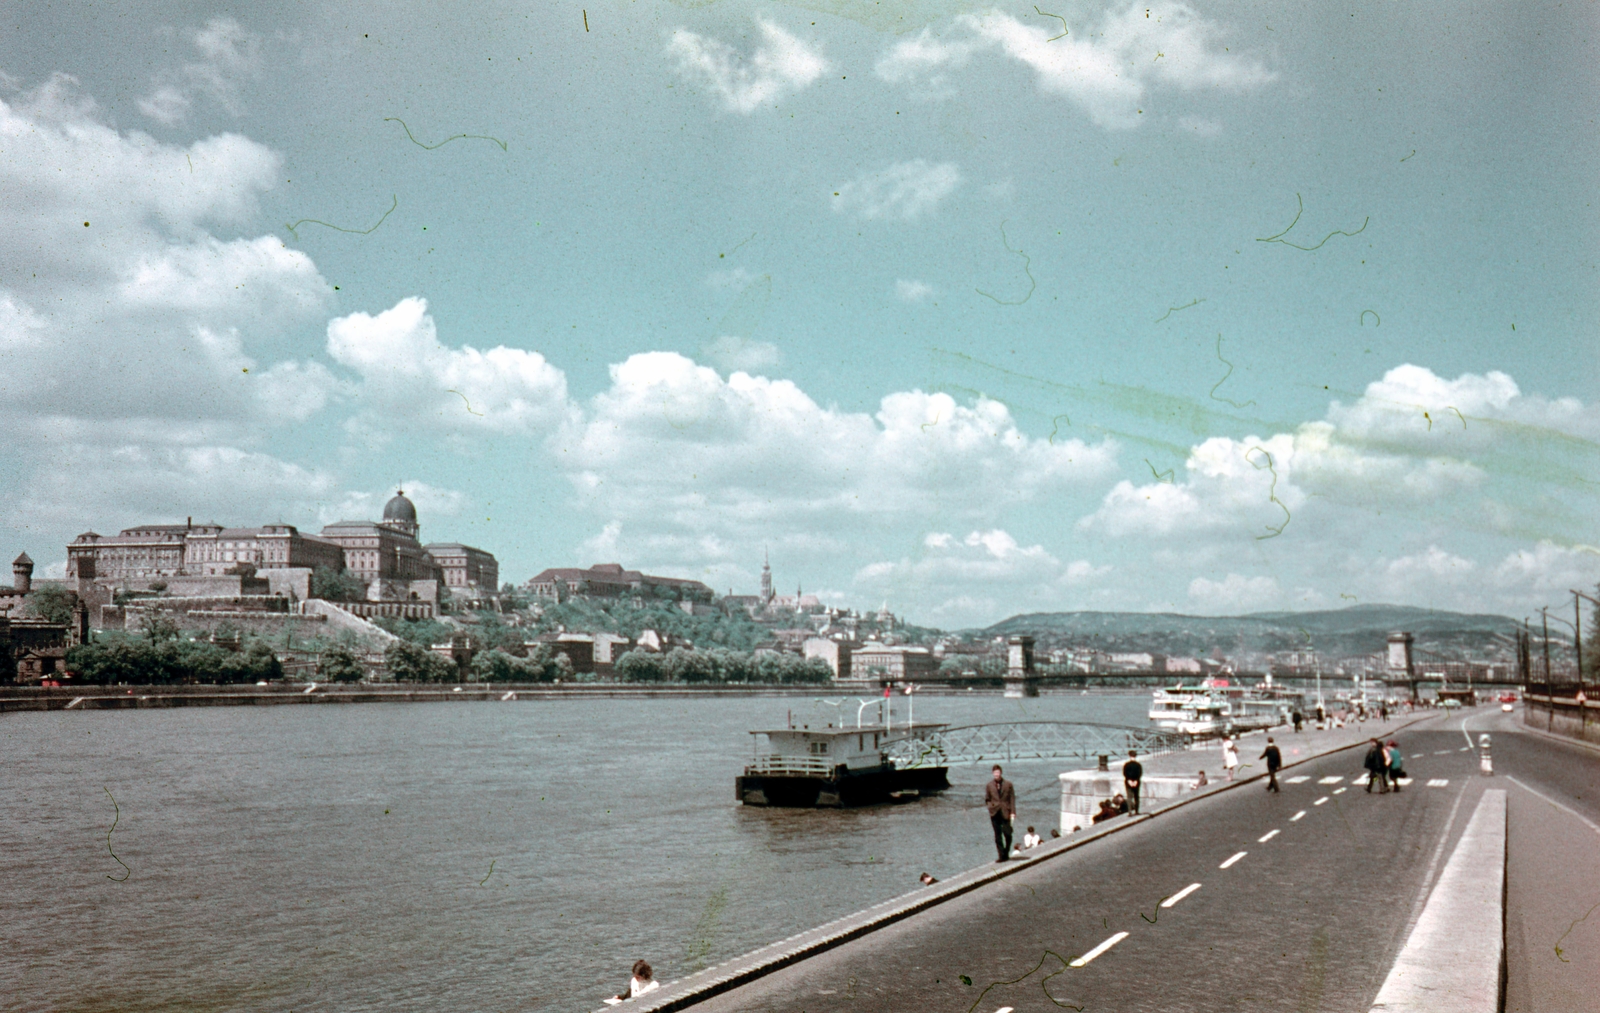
461 856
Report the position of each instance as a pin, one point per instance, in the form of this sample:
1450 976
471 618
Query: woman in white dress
643 981
1230 755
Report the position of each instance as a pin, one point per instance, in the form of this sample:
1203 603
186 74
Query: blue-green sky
968 309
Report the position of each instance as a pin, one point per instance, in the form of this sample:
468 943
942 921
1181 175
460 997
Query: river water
460 856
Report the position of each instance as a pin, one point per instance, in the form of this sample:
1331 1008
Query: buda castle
386 555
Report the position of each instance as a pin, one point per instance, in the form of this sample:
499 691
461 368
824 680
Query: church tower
766 578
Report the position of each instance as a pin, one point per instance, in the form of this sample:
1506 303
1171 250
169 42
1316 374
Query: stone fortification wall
267 624
339 619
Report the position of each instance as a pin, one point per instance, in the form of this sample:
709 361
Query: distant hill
1360 629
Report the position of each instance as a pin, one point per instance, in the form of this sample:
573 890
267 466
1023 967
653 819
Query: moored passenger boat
1211 709
834 767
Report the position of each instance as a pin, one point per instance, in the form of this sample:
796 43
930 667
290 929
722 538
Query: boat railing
812 766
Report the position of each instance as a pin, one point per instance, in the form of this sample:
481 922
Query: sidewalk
730 974
1295 747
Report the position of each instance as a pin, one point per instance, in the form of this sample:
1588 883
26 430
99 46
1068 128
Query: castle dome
400 508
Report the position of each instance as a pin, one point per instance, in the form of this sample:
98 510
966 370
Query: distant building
837 654
386 549
384 554
466 568
610 580
875 662
213 550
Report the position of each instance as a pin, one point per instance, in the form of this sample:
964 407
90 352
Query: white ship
1214 708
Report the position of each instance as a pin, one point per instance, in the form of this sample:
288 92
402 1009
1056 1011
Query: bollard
1105 762
1485 762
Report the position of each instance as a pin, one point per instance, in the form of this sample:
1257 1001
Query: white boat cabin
821 750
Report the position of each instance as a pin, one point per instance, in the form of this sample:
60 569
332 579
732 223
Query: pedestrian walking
1001 800
1274 761
1230 755
1132 776
1397 767
1299 719
1376 764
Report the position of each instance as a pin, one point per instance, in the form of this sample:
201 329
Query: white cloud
229 56
1108 68
688 463
407 373
736 353
781 66
134 360
904 190
923 63
965 580
1235 594
911 290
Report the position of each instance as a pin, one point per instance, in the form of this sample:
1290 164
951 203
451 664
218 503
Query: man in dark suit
1132 777
1001 800
1274 761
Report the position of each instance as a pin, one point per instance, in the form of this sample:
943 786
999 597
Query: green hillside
1360 629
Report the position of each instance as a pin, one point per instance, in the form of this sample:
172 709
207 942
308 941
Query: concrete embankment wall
29 698
1563 716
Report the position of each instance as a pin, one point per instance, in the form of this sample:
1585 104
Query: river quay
30 698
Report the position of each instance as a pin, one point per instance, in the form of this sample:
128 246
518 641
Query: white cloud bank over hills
139 382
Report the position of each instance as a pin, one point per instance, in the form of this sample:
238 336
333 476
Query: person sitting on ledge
643 981
1119 804
927 879
1201 782
1031 839
1108 809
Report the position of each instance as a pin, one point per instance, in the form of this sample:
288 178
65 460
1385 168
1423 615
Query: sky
970 310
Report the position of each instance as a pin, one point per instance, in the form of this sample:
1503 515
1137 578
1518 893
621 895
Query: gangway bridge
1027 740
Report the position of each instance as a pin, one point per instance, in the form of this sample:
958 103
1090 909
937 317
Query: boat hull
816 791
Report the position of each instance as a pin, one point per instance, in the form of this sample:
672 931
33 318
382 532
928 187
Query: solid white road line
1297 779
1235 858
1269 836
1451 959
1330 780
1320 800
1587 821
1186 891
1103 947
1297 815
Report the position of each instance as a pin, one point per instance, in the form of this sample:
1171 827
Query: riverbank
33 698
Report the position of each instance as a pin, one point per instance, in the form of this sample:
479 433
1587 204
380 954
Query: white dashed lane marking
1297 815
1003 1009
1235 858
1338 791
1297 779
1270 834
1320 800
1439 782
1441 752
1330 780
1186 891
1103 947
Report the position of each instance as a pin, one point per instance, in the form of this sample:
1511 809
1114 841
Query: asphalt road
1308 918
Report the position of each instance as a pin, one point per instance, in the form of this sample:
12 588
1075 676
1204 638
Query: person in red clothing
1001 800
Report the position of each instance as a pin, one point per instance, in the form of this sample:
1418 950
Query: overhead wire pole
1549 689
1583 699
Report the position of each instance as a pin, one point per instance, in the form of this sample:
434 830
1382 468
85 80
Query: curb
758 963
